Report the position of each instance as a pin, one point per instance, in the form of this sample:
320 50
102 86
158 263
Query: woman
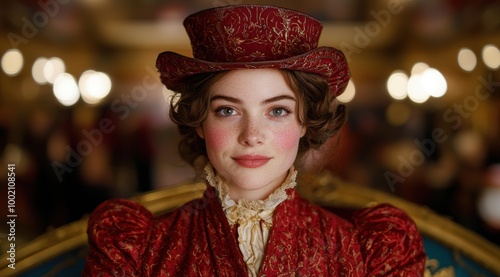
258 93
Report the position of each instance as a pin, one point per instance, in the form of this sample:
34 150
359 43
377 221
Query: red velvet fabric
254 36
196 240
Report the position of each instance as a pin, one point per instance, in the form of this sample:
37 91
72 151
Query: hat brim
325 61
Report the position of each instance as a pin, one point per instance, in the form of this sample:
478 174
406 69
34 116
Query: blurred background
83 115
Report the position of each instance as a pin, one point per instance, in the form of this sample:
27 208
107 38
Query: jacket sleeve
117 232
390 242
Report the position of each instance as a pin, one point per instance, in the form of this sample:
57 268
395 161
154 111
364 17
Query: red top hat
254 36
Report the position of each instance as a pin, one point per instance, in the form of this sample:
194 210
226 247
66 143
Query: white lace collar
273 200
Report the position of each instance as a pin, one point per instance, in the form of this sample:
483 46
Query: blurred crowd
443 154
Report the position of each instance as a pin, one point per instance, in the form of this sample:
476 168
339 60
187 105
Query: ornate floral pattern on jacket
196 240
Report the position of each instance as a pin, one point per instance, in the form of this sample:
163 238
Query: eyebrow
238 101
227 98
278 98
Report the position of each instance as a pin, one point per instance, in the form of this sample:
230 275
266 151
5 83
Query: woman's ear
199 131
303 131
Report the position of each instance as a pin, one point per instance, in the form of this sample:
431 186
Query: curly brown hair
317 109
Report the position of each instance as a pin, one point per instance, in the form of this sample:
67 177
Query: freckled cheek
287 139
216 139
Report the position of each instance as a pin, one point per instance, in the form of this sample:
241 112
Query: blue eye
225 111
279 112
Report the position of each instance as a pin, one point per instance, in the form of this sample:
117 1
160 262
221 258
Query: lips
251 161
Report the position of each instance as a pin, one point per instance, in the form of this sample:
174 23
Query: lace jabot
254 217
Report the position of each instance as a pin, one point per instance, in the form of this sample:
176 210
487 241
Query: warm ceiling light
52 68
12 62
419 68
349 93
94 86
37 70
467 59
491 56
433 82
397 85
416 92
66 90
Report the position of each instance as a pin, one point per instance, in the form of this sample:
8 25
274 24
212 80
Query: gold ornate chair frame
324 190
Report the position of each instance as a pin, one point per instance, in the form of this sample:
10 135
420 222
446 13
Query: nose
252 132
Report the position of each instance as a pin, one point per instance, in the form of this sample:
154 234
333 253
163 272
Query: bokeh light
94 86
416 92
37 70
489 206
419 68
491 56
467 59
349 93
12 62
433 82
397 85
52 68
66 89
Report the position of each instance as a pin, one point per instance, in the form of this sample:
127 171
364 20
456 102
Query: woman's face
252 131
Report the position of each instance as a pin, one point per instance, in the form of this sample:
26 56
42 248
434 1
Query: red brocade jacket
125 239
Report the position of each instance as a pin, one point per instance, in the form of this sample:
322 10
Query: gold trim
433 265
323 189
46 247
